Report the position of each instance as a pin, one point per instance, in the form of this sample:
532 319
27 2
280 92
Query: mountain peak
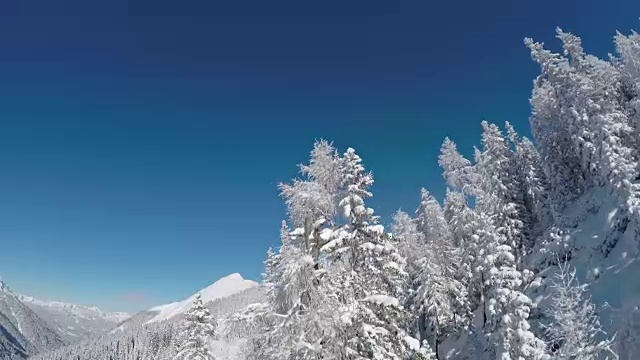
234 276
223 287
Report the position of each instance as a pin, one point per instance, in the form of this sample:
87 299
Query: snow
377 229
225 287
611 216
297 232
384 300
325 234
73 310
414 344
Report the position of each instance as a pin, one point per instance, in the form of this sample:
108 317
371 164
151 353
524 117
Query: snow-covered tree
628 48
583 123
499 193
366 274
467 229
507 307
410 242
553 126
440 301
574 325
530 189
300 318
457 170
199 328
315 195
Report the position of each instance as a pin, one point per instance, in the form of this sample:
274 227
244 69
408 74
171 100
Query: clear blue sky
141 142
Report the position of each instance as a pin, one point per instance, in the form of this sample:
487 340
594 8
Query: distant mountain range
74 322
29 326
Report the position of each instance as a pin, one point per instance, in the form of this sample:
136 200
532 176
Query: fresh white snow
224 287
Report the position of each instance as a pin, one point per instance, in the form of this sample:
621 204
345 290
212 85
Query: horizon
143 143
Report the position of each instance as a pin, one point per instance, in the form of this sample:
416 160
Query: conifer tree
574 324
199 328
457 170
375 272
507 307
441 299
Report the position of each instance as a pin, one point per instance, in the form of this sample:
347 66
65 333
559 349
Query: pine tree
301 317
574 325
457 170
628 48
412 246
441 299
467 231
507 307
411 242
499 191
369 274
531 188
555 128
199 328
587 100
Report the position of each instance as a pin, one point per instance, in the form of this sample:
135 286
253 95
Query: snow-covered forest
526 257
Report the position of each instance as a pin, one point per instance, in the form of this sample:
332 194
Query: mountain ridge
224 287
22 331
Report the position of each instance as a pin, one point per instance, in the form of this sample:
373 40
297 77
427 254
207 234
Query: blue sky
141 142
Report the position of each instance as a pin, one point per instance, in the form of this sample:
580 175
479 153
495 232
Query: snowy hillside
226 286
601 245
73 322
223 288
22 332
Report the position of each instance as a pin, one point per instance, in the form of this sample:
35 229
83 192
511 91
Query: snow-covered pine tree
412 246
199 327
498 190
467 231
628 49
441 299
271 262
368 273
532 183
410 242
586 98
300 319
554 128
314 197
531 189
574 323
457 170
257 321
300 314
508 308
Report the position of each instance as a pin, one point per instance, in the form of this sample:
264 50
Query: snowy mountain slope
22 331
225 287
603 248
73 322
13 344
